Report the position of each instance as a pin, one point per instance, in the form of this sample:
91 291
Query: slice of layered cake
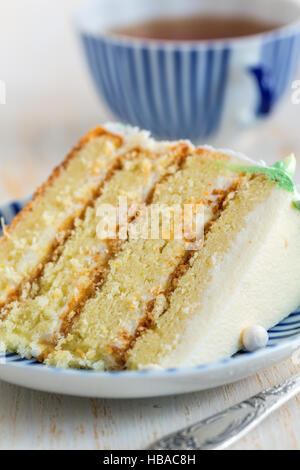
139 254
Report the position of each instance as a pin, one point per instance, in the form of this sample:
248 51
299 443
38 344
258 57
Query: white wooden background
50 103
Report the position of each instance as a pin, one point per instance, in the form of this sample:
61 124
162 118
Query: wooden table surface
46 112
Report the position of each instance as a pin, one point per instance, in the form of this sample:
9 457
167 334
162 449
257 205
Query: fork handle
223 429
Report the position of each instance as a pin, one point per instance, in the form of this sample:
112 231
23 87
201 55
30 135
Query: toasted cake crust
96 132
67 223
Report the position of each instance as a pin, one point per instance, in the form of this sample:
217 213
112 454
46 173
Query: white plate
284 341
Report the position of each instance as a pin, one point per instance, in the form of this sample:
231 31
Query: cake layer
132 293
35 322
246 274
46 221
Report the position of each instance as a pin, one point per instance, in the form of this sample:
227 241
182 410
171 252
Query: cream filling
46 330
256 282
50 325
222 183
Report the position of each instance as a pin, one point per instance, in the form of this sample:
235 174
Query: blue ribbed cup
196 90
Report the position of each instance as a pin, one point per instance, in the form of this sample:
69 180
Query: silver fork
222 430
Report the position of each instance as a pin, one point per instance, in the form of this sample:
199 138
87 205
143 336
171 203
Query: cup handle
267 95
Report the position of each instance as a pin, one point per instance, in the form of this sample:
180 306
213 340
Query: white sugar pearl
255 337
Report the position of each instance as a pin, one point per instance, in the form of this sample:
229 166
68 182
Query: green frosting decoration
288 165
297 204
282 172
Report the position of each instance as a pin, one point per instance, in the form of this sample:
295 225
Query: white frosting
255 283
135 136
